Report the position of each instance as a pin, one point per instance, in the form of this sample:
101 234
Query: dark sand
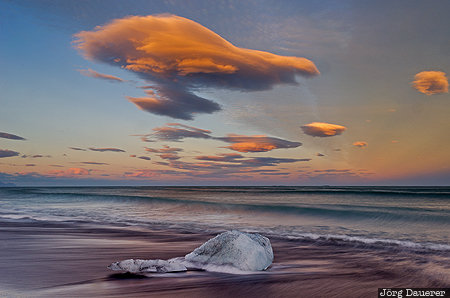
67 260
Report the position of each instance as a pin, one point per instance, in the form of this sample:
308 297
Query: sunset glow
156 94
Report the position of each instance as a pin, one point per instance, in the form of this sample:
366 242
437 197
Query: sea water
416 218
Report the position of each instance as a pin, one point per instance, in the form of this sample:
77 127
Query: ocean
312 228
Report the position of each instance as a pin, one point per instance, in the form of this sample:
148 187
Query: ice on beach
148 266
227 252
245 251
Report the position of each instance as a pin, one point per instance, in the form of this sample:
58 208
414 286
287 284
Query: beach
50 258
55 260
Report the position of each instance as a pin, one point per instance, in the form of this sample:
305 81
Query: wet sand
67 260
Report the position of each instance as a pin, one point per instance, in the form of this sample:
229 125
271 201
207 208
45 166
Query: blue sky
367 52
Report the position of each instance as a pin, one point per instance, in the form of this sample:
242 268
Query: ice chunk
231 252
245 251
148 266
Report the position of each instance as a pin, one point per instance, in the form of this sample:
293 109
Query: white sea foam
372 241
148 266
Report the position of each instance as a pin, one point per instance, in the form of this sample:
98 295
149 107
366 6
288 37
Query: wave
368 222
438 191
364 242
372 242
344 211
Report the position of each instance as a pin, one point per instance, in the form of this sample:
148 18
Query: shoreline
55 259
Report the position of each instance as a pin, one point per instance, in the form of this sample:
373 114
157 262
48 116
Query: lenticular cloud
181 56
322 129
431 82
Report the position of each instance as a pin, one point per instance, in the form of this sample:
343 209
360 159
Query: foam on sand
148 266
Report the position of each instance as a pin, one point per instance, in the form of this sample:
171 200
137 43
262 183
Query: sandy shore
54 259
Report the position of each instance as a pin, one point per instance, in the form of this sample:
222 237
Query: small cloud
275 173
93 74
256 143
78 171
93 163
169 153
175 132
140 157
360 144
322 129
71 172
165 149
10 136
36 156
106 149
169 156
320 154
8 153
144 157
229 157
141 174
77 149
145 173
431 82
175 102
272 161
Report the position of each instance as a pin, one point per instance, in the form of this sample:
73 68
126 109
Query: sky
224 92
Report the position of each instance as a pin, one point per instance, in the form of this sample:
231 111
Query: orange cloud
252 147
360 144
93 74
78 171
256 143
322 129
181 56
71 172
176 132
431 82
